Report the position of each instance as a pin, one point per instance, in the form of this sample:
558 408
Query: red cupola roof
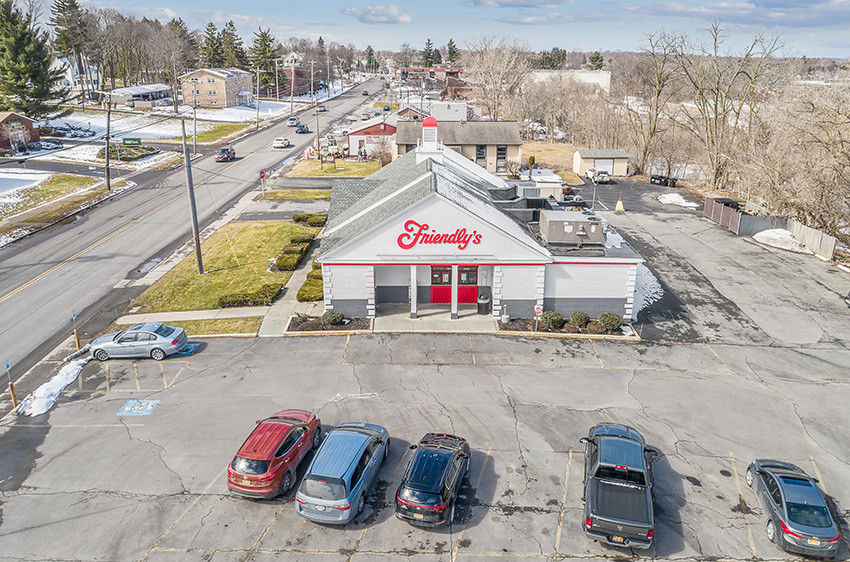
429 122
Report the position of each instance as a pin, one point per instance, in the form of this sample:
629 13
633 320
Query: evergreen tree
371 63
212 54
27 85
66 19
233 53
263 54
436 57
452 54
596 61
428 54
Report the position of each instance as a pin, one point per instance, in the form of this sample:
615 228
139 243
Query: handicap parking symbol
137 407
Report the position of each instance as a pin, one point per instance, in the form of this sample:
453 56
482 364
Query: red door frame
442 292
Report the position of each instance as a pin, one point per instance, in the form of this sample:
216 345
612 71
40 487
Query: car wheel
771 531
285 482
317 437
749 477
101 355
360 504
157 354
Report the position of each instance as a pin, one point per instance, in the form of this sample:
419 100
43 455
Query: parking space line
469 511
722 362
563 502
136 374
601 364
375 512
743 506
345 351
472 350
162 370
253 549
182 515
107 378
185 363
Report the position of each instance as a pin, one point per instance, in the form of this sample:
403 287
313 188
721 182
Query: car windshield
119 334
249 466
164 330
323 488
223 150
612 473
420 498
809 515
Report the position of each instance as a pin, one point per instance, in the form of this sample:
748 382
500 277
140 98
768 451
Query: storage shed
615 161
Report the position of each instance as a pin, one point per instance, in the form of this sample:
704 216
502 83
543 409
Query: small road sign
131 142
538 310
262 174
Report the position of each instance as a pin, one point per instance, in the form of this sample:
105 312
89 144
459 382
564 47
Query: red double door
441 283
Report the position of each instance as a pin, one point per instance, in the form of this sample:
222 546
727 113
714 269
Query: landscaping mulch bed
527 325
314 324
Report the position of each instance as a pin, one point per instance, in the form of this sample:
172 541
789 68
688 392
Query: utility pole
258 98
291 87
312 62
106 154
328 79
194 115
276 87
190 191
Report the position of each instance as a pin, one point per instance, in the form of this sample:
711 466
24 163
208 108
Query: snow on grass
88 154
613 239
140 126
782 239
13 181
647 289
676 199
43 398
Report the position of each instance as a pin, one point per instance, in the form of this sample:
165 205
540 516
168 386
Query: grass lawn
56 187
310 167
248 325
299 194
556 155
570 177
236 259
220 130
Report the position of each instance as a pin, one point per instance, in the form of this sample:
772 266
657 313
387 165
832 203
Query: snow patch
613 239
12 181
647 289
782 239
43 398
676 199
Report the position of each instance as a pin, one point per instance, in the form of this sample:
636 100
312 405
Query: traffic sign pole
263 182
11 387
76 334
538 310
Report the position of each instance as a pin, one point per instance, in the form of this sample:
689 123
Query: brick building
217 87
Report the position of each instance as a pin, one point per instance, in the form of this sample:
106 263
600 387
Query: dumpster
483 304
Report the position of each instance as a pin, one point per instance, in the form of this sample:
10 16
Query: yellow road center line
563 502
469 511
743 507
180 517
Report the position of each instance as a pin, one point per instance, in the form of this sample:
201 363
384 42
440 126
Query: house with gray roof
615 161
434 228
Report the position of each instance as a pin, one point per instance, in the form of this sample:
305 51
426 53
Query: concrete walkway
433 318
278 315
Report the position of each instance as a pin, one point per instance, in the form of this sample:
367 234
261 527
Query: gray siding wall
592 306
355 308
391 294
519 308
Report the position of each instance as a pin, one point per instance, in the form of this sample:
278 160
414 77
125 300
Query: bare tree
725 91
497 67
406 56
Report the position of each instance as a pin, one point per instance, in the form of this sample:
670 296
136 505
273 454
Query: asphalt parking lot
88 484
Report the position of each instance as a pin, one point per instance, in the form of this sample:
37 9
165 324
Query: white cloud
386 13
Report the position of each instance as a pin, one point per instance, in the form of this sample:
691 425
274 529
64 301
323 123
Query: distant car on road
321 108
281 142
798 517
386 107
293 121
300 129
225 154
149 339
365 92
266 463
365 116
428 491
377 114
335 485
597 176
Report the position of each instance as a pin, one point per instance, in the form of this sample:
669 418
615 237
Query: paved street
74 268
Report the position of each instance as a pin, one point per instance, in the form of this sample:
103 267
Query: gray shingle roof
603 153
459 133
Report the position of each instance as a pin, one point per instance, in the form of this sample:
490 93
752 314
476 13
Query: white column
370 292
413 291
454 292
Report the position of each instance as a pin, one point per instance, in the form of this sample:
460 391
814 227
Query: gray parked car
798 518
151 339
335 485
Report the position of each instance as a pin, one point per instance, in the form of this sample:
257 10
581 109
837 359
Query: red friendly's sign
416 233
262 174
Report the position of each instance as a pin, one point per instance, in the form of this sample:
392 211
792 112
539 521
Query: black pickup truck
618 486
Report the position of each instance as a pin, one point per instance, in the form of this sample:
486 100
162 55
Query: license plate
815 542
320 508
418 516
246 481
617 539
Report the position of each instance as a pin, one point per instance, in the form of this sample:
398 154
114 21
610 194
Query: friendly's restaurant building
434 227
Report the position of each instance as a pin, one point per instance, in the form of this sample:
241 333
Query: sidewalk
277 317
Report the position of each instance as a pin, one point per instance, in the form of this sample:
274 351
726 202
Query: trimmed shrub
579 319
571 328
554 320
610 321
300 217
596 327
312 325
315 274
317 220
296 248
312 290
127 153
263 296
332 317
287 262
317 265
301 317
302 238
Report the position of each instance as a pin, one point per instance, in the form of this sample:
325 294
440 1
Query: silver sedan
151 339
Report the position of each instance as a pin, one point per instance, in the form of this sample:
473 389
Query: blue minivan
339 477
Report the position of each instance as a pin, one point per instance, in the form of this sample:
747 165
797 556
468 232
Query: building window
481 155
211 80
213 102
441 275
212 92
501 157
467 275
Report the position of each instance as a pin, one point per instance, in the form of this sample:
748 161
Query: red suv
265 465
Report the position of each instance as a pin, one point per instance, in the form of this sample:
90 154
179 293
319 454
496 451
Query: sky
812 28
